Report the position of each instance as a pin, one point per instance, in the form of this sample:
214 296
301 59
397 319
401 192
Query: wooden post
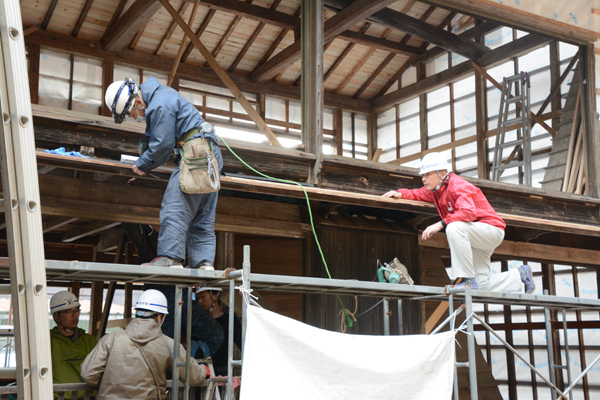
421 74
590 120
483 165
108 70
225 250
34 73
371 136
338 128
22 211
312 84
261 125
554 78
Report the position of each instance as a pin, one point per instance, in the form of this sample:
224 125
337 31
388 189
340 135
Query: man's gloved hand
207 372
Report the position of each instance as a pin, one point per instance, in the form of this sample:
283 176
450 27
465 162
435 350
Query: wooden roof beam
253 12
344 53
169 32
49 13
276 42
82 17
420 29
209 16
126 28
380 43
343 20
515 18
490 59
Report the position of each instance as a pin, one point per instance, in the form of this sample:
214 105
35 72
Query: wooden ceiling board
96 22
33 13
65 16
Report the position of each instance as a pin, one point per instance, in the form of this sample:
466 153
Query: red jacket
457 200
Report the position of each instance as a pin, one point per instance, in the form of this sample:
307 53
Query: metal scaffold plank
23 212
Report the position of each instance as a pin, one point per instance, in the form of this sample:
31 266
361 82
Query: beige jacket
117 366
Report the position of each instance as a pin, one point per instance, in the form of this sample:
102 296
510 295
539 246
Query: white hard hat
434 162
205 288
63 301
151 300
119 98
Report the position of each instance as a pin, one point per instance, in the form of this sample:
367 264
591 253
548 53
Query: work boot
164 261
526 278
461 282
206 265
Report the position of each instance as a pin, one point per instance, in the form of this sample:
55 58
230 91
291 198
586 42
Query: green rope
348 320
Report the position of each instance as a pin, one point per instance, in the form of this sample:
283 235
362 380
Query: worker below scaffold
69 345
132 363
473 228
187 214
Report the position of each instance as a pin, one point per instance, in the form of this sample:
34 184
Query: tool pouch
199 169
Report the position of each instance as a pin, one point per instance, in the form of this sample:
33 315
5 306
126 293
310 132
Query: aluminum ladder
520 157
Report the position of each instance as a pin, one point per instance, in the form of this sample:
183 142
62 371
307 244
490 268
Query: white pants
471 248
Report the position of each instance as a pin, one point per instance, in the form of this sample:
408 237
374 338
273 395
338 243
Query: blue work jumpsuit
184 218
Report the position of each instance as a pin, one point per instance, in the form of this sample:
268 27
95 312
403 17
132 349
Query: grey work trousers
188 219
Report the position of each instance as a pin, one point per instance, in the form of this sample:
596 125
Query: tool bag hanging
199 169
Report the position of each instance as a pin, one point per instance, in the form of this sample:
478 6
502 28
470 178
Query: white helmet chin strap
441 181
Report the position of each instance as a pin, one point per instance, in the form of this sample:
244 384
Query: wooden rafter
251 40
49 13
82 17
236 20
116 14
138 36
420 29
260 123
391 56
169 32
209 16
182 47
254 12
359 65
126 28
494 57
344 53
348 17
380 43
276 42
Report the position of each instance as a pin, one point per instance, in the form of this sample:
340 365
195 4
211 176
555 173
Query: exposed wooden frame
380 43
344 53
236 20
34 73
118 10
264 129
49 14
82 17
207 19
490 59
251 40
137 37
276 42
348 17
513 17
169 32
126 28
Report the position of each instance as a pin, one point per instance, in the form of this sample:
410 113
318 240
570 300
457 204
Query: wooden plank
181 46
52 223
380 43
126 28
82 17
34 73
87 230
169 32
436 316
530 251
490 59
253 12
49 13
223 76
348 17
515 18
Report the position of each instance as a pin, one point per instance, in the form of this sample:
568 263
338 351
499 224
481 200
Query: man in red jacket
473 228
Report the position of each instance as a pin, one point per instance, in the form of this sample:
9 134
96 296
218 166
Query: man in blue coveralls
171 120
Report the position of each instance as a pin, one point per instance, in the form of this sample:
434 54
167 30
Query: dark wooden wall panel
276 256
353 254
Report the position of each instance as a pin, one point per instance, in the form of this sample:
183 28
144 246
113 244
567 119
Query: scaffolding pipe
508 346
450 318
386 316
550 350
188 345
176 343
400 327
230 335
567 357
471 343
455 378
580 377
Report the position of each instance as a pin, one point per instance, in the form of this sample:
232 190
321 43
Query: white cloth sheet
286 359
